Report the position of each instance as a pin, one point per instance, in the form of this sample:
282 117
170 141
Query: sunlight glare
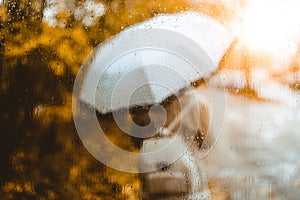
270 26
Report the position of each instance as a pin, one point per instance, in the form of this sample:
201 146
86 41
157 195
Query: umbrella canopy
151 61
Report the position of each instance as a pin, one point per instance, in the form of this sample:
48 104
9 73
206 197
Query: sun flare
270 26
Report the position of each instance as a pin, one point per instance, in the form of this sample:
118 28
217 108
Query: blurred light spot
57 68
74 172
38 111
50 15
89 12
270 26
259 78
37 5
233 79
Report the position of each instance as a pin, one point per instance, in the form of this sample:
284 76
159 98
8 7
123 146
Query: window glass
240 122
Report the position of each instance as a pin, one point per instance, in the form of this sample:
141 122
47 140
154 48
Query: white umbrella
144 65
149 62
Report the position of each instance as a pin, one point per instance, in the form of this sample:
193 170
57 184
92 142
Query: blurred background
42 46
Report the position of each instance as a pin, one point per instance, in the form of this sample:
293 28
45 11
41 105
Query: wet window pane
149 99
